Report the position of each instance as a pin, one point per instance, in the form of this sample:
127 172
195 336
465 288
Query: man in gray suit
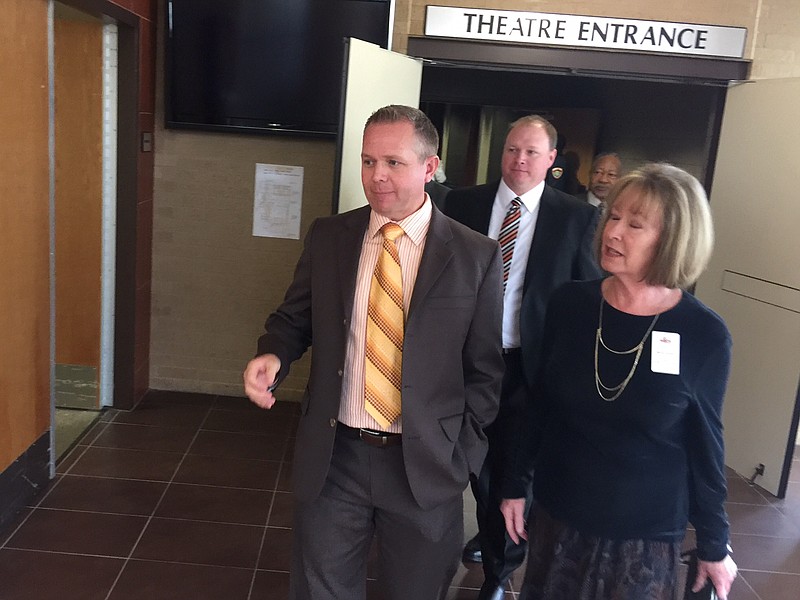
553 246
353 478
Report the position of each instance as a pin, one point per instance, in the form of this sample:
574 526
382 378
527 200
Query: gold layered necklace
603 390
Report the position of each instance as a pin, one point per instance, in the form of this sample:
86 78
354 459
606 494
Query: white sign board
277 201
585 31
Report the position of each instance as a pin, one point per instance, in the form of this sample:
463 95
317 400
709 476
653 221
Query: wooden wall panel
78 135
24 229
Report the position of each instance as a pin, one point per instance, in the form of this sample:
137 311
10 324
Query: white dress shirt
529 212
592 199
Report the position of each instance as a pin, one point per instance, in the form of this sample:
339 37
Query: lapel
435 258
544 237
483 208
348 252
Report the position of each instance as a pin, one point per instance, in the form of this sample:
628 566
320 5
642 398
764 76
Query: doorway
642 121
84 217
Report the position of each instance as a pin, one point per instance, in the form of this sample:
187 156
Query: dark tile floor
188 497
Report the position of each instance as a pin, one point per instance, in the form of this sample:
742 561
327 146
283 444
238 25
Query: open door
753 280
373 77
85 177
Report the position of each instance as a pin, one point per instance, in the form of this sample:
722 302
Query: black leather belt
508 351
379 439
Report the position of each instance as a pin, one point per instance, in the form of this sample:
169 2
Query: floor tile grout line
747 583
58 475
765 503
766 536
768 572
184 483
237 433
88 512
147 560
147 516
74 462
158 503
32 509
49 490
768 504
173 452
85 432
64 553
286 445
16 529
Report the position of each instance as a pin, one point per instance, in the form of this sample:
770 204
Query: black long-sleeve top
642 465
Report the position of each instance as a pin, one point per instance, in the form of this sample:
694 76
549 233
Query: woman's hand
720 573
513 510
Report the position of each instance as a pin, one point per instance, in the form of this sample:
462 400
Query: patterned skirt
564 564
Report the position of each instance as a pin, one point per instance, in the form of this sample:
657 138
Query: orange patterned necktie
385 324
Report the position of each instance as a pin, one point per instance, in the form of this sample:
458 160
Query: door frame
127 189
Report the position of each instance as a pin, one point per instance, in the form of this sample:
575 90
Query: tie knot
516 203
391 231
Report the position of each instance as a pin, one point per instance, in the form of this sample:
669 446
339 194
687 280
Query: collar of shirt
415 225
530 199
592 199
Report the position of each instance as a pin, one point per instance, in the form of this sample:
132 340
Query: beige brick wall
213 283
777 40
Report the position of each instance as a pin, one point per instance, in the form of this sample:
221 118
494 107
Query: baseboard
23 479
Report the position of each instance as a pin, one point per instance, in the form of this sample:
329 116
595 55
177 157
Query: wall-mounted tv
263 65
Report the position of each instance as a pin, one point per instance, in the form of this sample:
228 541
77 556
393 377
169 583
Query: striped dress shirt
410 246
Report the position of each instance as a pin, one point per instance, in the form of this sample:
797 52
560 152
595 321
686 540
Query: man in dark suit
356 475
606 169
553 245
437 192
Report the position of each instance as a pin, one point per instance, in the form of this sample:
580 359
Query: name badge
665 356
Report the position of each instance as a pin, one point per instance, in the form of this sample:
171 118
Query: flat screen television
263 65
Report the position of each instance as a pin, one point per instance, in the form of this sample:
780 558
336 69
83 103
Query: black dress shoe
492 592
472 551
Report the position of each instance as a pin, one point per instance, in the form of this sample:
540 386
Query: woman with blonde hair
624 439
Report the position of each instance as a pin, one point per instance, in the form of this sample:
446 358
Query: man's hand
259 377
513 510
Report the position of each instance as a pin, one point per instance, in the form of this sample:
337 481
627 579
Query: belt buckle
375 438
372 437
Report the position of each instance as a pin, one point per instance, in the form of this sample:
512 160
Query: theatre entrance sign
585 31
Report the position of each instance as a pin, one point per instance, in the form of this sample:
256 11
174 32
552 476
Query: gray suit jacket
452 360
561 251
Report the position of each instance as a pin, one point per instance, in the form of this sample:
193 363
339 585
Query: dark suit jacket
584 197
438 193
561 251
452 361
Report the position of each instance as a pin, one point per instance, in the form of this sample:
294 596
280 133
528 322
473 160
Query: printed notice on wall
277 201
